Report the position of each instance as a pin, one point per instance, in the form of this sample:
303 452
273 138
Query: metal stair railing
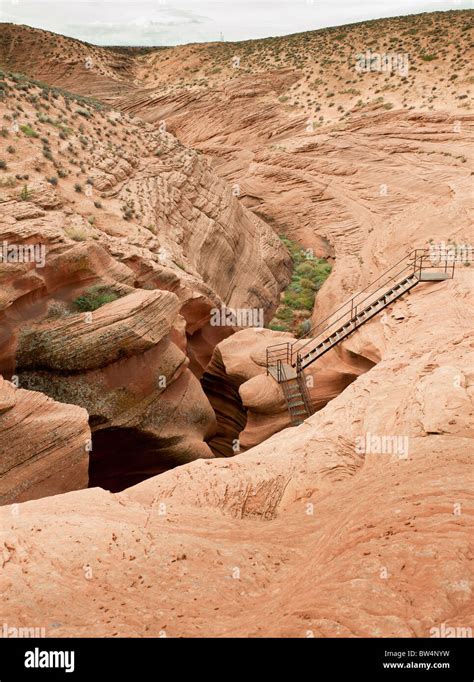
352 319
301 379
354 311
293 409
278 353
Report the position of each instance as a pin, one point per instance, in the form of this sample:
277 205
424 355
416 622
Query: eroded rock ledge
147 410
43 445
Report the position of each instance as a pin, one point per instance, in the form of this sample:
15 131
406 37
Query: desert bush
28 131
303 328
83 112
56 310
95 297
298 300
77 234
25 194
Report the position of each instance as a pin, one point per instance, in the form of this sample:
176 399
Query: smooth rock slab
43 445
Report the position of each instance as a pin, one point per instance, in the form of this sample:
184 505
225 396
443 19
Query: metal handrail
353 309
272 354
415 261
303 388
311 334
281 374
404 259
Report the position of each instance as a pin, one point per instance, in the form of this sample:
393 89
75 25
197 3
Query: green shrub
25 193
299 300
309 273
28 131
285 314
94 297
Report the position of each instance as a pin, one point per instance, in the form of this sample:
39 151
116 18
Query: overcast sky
172 22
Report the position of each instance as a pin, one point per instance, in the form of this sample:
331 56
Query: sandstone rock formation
138 214
43 445
302 536
357 523
155 207
146 409
86 341
249 405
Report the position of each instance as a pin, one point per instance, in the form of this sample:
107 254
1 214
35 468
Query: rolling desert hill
160 183
64 62
262 110
436 50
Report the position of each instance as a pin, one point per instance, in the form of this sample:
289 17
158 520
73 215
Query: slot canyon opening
223 394
123 457
326 384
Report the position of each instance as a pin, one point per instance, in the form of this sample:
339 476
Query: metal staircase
295 391
286 361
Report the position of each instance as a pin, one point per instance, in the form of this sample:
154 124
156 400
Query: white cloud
169 22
